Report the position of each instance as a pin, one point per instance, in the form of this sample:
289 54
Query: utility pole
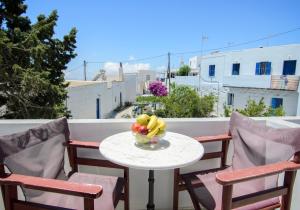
169 71
84 70
203 38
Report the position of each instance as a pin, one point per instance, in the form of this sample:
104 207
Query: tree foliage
183 101
184 70
254 109
32 61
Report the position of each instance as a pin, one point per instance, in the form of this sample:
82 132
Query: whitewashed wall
248 59
247 78
142 79
242 95
130 81
82 99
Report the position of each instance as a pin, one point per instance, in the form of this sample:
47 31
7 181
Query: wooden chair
225 178
82 191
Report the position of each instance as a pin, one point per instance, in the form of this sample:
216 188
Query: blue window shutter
289 67
273 103
257 68
268 68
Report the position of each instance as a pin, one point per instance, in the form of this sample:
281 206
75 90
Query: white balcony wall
246 81
95 130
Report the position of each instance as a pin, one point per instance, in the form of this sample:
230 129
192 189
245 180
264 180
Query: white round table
173 151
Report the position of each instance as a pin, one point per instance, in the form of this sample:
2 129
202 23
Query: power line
189 52
146 58
131 60
74 68
239 44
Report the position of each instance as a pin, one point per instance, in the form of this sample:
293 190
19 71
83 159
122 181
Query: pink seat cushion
210 195
105 201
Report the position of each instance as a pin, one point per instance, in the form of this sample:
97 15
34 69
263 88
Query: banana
152 122
162 124
153 132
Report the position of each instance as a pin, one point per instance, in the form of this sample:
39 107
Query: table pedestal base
150 205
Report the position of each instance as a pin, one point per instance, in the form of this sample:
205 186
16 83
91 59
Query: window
236 69
276 102
230 99
263 68
147 77
211 71
289 67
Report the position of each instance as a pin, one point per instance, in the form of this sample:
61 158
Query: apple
143 130
143 119
135 127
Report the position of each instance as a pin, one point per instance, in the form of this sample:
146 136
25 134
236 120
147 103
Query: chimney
121 74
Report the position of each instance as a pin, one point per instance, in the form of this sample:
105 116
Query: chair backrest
256 144
36 152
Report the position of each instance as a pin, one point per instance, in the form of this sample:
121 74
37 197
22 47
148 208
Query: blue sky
118 30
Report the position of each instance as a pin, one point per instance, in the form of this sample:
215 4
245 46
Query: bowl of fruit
148 129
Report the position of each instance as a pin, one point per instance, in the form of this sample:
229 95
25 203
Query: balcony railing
277 82
289 82
248 81
99 129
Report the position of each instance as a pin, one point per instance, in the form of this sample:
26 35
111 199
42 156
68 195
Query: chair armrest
84 144
205 139
90 161
52 185
241 175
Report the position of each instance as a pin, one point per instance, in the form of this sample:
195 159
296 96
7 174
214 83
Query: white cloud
112 67
131 57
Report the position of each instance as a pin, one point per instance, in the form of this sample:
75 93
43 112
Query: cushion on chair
255 144
105 201
36 152
210 195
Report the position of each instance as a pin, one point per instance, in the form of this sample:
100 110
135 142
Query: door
98 108
121 102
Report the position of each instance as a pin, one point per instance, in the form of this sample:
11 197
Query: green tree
254 109
184 70
32 61
183 101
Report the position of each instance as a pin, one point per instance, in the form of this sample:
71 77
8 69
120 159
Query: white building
94 99
144 77
98 99
268 72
